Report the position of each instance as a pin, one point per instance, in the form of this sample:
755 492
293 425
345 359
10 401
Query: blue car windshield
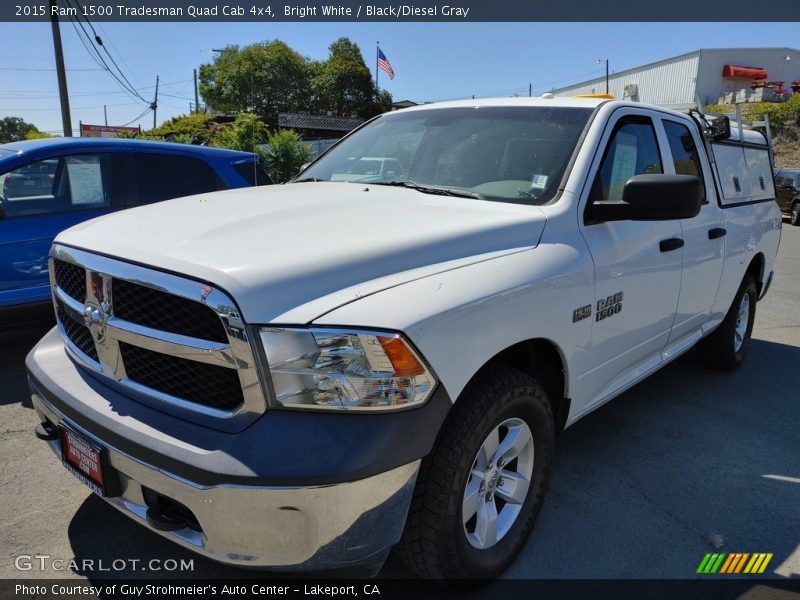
504 153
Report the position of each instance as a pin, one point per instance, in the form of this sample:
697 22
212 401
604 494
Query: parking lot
688 462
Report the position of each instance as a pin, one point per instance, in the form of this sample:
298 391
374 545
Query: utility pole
105 113
599 60
66 119
196 96
154 105
530 90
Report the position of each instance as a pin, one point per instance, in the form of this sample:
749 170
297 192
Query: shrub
245 133
285 155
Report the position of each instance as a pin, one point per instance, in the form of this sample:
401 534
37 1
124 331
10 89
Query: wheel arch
756 269
543 359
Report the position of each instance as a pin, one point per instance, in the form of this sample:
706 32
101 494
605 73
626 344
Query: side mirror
654 198
304 166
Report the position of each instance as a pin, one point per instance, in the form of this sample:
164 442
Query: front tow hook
162 518
46 431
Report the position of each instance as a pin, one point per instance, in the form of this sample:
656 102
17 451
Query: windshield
511 154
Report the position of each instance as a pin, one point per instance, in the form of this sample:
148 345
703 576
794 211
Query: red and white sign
105 131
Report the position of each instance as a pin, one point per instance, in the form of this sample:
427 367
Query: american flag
384 65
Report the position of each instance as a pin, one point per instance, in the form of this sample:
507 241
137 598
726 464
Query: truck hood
290 253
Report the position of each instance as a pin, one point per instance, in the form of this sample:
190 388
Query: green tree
197 128
285 155
14 129
245 133
265 79
35 134
343 84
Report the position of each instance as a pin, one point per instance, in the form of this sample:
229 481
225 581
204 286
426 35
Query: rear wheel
726 347
478 494
794 214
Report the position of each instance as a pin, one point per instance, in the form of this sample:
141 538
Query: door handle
670 244
716 233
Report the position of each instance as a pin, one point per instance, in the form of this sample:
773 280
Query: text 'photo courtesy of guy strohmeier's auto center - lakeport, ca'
419 300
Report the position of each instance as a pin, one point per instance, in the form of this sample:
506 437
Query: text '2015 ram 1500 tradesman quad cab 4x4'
304 376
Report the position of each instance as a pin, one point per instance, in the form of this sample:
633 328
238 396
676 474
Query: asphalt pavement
688 462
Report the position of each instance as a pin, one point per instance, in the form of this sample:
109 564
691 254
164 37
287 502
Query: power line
99 42
126 85
83 43
178 97
141 116
108 92
27 69
114 48
73 108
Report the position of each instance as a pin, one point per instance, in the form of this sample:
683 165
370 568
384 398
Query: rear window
253 173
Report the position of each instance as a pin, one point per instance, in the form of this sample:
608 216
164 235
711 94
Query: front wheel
478 494
726 347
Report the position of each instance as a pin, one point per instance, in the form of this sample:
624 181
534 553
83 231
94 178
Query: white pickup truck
304 376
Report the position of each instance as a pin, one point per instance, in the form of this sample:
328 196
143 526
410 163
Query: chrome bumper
285 528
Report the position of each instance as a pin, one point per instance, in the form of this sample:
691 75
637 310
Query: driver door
637 264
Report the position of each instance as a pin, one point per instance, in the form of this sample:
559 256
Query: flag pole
377 52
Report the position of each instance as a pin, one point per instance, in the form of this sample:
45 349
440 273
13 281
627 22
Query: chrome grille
171 342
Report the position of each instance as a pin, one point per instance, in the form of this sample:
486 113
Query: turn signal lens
403 360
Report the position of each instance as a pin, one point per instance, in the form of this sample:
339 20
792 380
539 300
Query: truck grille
76 332
177 344
160 310
208 385
72 279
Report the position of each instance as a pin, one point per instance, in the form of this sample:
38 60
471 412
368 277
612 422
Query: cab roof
517 101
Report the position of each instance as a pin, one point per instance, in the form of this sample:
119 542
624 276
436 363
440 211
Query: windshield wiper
307 180
431 190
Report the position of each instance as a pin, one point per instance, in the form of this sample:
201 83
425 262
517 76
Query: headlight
345 369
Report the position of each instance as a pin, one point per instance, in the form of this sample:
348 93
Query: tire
726 347
794 213
439 542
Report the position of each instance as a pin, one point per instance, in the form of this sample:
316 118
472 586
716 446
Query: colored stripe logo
735 562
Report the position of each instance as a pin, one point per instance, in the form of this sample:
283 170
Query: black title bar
455 11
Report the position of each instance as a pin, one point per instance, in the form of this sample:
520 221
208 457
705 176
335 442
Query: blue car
49 185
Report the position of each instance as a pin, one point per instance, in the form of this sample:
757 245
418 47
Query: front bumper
285 527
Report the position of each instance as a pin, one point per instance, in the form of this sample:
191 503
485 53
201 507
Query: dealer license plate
86 460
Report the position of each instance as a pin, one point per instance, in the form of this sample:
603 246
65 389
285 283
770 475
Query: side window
253 173
68 183
786 179
684 151
165 176
632 150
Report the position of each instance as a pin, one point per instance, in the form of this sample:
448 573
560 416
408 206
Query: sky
432 61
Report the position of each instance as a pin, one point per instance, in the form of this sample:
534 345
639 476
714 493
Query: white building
701 73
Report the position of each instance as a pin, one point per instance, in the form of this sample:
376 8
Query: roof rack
739 122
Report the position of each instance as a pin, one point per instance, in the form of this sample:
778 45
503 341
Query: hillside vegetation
784 118
786 143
